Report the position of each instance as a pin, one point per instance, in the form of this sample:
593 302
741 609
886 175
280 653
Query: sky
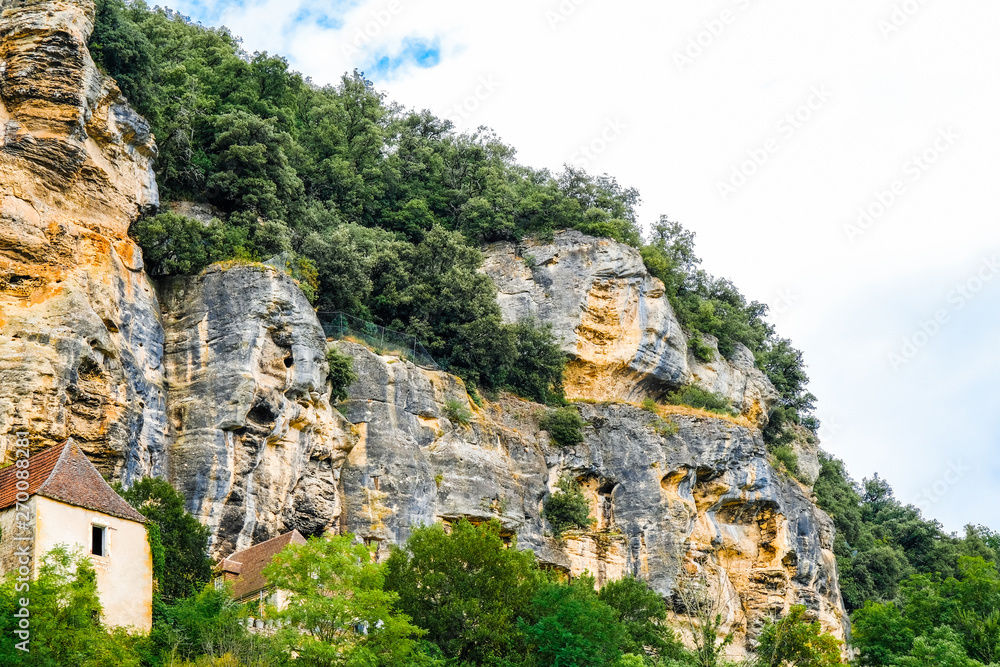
837 161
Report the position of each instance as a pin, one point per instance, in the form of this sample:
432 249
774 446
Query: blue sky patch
414 51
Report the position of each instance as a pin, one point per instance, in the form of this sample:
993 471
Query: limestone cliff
254 444
219 381
615 322
80 337
701 506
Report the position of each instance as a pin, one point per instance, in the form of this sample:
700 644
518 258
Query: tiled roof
64 473
253 561
40 465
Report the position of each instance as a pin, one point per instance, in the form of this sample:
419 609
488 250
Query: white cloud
558 84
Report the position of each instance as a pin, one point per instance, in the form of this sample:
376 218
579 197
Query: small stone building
64 500
244 571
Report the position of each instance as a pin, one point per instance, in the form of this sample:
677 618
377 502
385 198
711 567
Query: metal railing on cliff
337 324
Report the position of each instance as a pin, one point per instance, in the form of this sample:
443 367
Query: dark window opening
99 545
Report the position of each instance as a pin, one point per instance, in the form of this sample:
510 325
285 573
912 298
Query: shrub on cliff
564 425
176 245
696 397
568 507
341 373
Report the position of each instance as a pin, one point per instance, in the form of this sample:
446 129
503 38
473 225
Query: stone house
244 571
64 500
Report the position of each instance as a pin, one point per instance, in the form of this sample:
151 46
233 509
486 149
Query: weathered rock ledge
615 322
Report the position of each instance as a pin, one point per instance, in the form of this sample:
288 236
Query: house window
99 540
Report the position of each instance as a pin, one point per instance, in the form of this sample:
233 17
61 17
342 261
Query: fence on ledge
338 324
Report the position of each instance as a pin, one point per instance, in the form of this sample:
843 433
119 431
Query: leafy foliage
568 508
696 397
564 425
574 627
338 611
457 412
466 589
642 614
65 618
186 566
341 373
793 640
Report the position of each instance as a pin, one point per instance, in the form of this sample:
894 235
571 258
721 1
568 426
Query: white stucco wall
9 531
124 576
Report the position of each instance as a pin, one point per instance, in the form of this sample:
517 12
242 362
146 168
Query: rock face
615 322
701 507
254 444
80 338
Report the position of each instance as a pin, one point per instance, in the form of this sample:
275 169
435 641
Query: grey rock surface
254 443
615 322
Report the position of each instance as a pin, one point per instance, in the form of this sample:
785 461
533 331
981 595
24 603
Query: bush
175 245
702 351
788 458
565 426
342 374
457 412
697 397
567 508
666 427
649 405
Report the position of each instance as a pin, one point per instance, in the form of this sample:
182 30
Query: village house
64 500
244 571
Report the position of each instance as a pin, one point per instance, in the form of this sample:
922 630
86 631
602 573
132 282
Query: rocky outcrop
255 446
80 337
615 322
701 506
224 390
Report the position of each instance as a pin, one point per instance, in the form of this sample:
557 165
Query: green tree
186 565
642 613
65 618
338 612
467 589
564 425
794 640
880 634
574 628
121 49
341 374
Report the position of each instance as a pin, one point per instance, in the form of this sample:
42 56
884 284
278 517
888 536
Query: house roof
252 561
64 473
